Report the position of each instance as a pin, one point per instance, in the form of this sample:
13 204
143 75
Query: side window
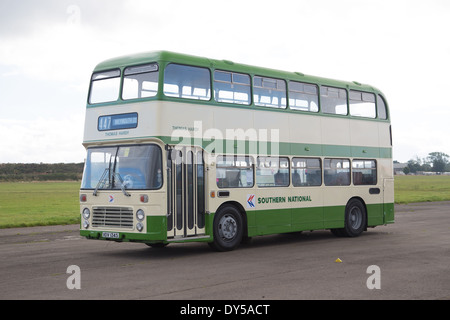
140 82
272 172
362 104
333 100
306 172
187 82
382 112
231 87
269 92
364 172
336 172
303 96
234 172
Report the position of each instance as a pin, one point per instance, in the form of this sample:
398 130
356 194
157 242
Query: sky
48 49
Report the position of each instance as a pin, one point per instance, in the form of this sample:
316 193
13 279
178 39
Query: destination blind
118 121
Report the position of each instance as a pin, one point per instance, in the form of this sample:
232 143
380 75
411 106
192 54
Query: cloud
42 140
48 49
22 17
58 40
37 56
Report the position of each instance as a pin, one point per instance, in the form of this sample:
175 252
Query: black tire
355 220
227 229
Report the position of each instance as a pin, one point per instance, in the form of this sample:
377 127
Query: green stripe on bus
283 148
263 222
288 149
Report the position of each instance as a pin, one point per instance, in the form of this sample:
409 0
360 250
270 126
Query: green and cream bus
183 148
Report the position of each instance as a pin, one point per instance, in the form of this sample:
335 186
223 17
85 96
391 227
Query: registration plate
110 235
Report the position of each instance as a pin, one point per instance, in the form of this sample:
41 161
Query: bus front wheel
227 229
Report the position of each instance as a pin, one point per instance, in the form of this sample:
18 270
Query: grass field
422 188
25 204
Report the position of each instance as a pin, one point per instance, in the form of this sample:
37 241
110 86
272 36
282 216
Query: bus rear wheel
355 220
227 229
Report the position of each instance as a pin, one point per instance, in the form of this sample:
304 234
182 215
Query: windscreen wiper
101 182
116 177
122 185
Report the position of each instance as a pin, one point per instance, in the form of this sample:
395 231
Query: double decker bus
183 148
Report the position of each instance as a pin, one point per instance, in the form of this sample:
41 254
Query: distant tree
40 172
439 161
415 165
406 170
426 165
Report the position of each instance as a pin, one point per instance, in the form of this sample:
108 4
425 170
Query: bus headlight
140 215
86 213
139 226
85 224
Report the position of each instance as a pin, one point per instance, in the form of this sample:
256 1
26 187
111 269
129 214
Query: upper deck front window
105 87
140 82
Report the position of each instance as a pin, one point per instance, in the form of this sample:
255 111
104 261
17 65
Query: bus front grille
116 217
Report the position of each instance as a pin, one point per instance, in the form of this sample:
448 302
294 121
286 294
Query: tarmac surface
408 260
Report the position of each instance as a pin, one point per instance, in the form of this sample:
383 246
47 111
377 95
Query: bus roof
167 57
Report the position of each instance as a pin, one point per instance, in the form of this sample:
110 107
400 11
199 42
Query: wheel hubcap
227 227
355 218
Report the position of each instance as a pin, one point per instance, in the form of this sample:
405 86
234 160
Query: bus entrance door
186 192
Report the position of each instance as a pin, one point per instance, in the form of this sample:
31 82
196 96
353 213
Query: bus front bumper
156 232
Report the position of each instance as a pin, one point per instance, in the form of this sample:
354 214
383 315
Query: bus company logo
251 201
111 199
